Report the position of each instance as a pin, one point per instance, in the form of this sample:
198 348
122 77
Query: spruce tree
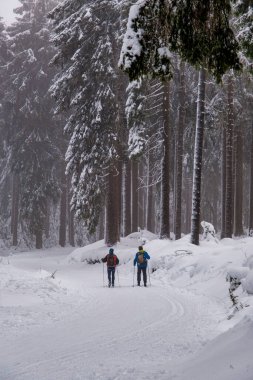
34 151
86 35
5 185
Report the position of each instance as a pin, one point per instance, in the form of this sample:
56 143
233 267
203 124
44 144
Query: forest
114 119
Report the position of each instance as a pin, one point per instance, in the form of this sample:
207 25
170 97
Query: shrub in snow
208 231
237 273
236 277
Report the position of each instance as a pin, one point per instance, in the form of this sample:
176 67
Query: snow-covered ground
66 325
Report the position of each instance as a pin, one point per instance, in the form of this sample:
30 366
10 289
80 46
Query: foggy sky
6 7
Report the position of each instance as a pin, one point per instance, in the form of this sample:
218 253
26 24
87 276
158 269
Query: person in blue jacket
141 259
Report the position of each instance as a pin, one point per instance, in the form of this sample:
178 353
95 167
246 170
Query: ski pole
103 276
133 276
149 276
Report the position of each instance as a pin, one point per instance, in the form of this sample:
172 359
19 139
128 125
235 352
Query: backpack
111 260
141 258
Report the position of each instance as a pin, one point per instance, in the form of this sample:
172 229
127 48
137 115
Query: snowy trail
110 334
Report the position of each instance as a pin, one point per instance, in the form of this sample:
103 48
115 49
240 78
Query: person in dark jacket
141 259
112 261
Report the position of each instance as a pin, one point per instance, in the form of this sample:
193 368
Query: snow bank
125 250
247 283
249 262
228 357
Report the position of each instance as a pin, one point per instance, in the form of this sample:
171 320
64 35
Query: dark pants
111 275
144 271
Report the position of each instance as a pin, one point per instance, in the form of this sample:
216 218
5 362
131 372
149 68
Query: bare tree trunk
71 228
71 224
149 199
179 153
47 220
38 237
238 193
141 211
165 183
188 199
134 196
118 181
223 183
229 160
63 209
101 226
126 199
251 187
197 169
112 224
15 209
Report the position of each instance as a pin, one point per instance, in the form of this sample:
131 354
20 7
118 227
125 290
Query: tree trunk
71 214
141 210
71 228
229 161
238 193
134 196
223 184
63 209
251 187
15 209
101 226
112 224
165 182
149 199
38 237
126 206
179 154
197 168
47 220
118 212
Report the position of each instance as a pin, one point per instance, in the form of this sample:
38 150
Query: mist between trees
86 154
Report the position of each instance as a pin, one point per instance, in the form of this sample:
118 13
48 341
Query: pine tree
4 168
87 39
34 153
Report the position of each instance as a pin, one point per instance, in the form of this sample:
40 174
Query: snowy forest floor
71 327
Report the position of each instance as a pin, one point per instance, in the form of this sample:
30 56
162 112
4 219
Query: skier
141 258
112 261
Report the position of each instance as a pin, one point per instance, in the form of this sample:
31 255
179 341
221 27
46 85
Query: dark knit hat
111 251
140 248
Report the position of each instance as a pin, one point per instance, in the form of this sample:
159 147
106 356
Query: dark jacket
115 259
146 258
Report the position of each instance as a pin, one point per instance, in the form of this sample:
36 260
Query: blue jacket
146 256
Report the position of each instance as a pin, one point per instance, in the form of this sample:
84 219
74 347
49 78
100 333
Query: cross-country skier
112 261
141 259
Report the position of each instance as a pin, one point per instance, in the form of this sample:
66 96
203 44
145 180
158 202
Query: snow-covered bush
208 231
237 273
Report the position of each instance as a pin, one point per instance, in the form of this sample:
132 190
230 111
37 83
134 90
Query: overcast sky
6 7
